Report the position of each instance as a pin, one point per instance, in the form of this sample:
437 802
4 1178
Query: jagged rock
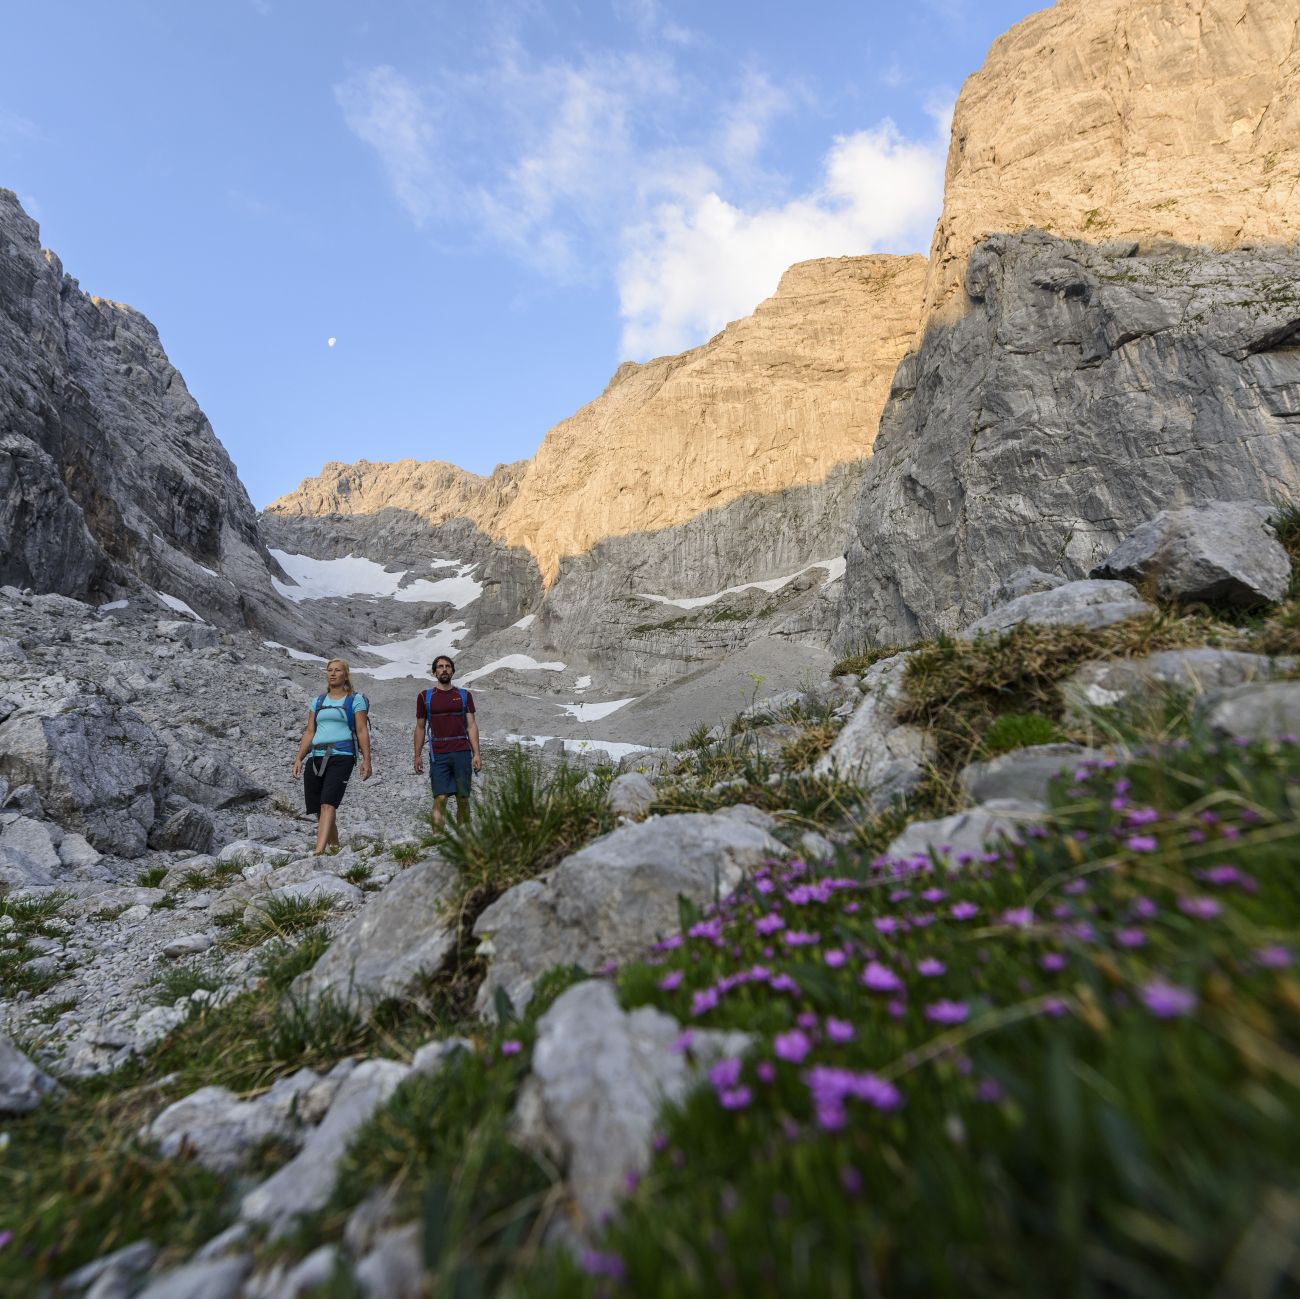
194 635
600 1077
873 750
305 1182
971 832
75 851
405 932
267 829
308 1276
218 1129
1105 683
394 1268
1075 604
432 1056
28 853
11 650
187 827
1024 774
97 767
203 771
1220 552
155 1024
816 847
245 851
612 899
219 1278
1024 581
116 1275
1257 712
631 794
22 1085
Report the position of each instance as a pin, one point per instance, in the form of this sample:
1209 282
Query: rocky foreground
834 974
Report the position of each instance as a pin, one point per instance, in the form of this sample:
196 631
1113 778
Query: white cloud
389 112
692 267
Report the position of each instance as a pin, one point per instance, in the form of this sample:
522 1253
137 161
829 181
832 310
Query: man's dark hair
440 658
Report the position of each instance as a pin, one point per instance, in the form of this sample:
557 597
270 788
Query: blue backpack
428 714
344 706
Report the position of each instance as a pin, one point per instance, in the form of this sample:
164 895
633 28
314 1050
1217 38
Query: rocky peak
1128 119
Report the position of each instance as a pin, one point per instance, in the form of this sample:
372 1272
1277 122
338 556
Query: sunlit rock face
1112 323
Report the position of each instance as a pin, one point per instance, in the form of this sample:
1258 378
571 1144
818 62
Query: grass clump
21 920
406 854
180 981
151 878
1071 1067
275 917
526 821
858 661
1018 731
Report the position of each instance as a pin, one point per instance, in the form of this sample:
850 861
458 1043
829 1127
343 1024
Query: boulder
1074 604
96 765
184 828
205 772
1105 683
29 854
187 945
75 851
217 1129
1222 552
394 1268
600 1076
405 932
193 635
218 1278
971 832
873 751
631 794
1023 775
1024 581
22 1085
115 1275
1258 712
611 900
305 1182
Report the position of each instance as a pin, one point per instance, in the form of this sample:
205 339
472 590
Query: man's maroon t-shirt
446 725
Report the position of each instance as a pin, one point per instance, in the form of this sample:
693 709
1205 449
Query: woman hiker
337 729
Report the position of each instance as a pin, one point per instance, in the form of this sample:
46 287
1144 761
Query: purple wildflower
783 983
710 929
735 1098
989 1090
596 1263
704 1001
1018 917
1142 816
685 1040
726 1073
1130 937
766 1071
896 1007
851 1180
835 958
671 981
1200 908
964 910
886 924
934 895
947 1012
880 978
800 938
511 1047
769 923
1273 957
1145 909
1142 843
792 1046
1167 1000
839 1030
930 967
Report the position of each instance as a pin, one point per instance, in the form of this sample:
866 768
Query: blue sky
487 205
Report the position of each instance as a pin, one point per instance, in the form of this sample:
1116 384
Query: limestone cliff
776 401
1128 119
109 471
1065 389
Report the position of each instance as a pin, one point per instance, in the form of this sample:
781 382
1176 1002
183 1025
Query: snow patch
414 656
615 748
113 604
834 567
322 579
301 655
582 683
594 712
524 662
177 605
525 622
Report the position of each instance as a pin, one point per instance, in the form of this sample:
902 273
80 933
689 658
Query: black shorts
451 773
328 787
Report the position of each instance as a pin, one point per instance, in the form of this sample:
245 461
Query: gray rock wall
1084 390
109 471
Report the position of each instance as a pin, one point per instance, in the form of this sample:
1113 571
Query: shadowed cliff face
109 471
1084 390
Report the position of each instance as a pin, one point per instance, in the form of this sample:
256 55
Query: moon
329 342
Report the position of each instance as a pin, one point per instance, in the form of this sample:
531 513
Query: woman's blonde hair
347 673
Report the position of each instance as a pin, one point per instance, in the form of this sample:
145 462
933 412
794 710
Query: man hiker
448 714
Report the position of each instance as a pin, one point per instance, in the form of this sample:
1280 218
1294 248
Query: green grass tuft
1018 731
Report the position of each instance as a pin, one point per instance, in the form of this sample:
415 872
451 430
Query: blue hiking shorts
451 773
